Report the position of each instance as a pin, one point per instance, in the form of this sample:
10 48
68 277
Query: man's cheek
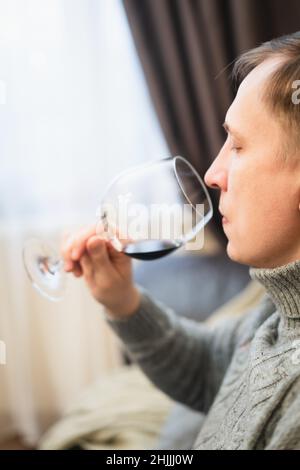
243 226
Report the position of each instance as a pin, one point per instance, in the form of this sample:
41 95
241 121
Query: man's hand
107 272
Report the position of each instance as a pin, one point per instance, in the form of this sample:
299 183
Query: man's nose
216 175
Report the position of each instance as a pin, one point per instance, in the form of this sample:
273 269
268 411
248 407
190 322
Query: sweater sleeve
184 358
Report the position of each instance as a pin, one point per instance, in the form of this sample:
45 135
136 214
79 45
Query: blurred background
88 88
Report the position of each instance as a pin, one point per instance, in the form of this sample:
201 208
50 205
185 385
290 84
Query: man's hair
282 84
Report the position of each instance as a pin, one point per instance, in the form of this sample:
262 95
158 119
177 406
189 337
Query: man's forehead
257 79
248 105
239 114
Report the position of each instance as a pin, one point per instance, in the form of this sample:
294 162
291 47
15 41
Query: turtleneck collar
283 286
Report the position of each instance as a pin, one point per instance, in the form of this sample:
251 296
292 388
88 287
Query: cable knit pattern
244 372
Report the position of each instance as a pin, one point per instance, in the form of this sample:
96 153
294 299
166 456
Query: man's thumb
97 250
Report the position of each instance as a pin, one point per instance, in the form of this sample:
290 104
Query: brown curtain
183 46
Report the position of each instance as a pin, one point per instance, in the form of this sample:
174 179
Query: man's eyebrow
230 130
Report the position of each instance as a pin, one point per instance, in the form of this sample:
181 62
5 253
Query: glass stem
47 265
56 266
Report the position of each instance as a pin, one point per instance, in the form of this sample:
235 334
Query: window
74 106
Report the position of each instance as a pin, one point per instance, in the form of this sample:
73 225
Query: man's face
260 191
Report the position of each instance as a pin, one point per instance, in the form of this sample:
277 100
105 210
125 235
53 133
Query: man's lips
224 219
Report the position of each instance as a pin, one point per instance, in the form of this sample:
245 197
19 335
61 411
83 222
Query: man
245 372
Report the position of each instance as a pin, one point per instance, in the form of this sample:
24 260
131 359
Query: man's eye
236 148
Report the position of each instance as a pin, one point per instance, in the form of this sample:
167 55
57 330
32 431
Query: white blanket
123 410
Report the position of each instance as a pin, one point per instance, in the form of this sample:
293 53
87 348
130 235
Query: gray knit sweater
243 373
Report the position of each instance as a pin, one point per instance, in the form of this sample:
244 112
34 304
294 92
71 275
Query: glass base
44 269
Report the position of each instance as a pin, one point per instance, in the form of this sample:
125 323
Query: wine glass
146 212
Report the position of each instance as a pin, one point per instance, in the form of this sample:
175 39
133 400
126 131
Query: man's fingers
80 240
97 250
86 266
66 246
68 266
73 267
77 270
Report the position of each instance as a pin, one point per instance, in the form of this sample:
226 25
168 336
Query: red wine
151 249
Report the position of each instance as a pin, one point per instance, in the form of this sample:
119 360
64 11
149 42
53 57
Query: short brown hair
279 89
